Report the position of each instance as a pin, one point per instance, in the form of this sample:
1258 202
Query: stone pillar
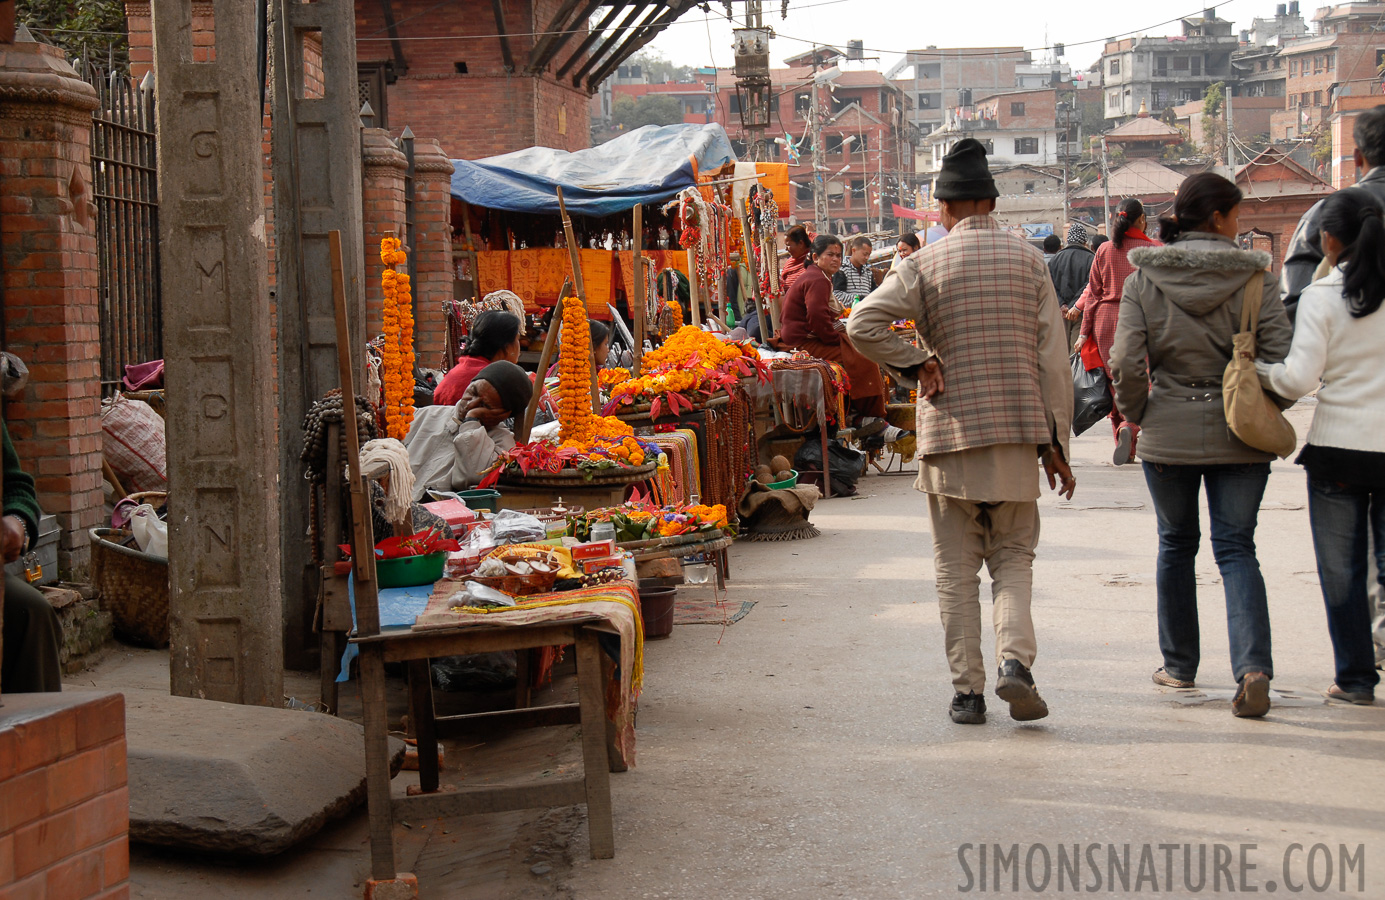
317 189
225 603
432 250
51 308
382 193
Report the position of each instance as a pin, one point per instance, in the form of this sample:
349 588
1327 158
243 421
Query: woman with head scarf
494 336
1099 305
452 447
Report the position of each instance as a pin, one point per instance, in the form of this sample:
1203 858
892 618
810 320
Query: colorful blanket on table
616 605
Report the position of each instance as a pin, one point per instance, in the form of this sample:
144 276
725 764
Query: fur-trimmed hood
1199 271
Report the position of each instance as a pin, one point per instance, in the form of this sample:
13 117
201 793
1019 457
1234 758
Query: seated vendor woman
452 447
494 337
601 346
809 324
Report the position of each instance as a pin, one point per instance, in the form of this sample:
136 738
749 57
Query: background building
1159 72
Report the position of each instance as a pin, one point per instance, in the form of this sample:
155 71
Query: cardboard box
593 550
596 565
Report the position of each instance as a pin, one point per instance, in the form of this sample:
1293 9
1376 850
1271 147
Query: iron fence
124 176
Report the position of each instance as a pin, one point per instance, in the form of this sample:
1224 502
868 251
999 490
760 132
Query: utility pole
880 182
1106 187
1230 147
819 169
753 84
1067 125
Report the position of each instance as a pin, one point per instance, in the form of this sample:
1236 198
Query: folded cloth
778 515
141 376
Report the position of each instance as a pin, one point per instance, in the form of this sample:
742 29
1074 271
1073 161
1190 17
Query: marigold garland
397 353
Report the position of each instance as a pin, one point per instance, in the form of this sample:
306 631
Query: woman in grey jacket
1178 314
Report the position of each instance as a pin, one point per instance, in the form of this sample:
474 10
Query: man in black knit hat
989 326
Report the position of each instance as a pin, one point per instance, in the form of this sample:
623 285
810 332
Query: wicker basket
518 585
133 586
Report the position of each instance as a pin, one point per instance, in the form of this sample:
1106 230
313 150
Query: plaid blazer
981 289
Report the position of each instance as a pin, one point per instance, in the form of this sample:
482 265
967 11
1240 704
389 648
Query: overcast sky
889 27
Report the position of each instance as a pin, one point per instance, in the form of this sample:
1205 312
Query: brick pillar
140 28
382 194
432 250
50 278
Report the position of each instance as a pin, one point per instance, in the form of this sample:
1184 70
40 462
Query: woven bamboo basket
133 586
518 585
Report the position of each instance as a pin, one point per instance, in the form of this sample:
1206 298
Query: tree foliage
650 109
93 28
1213 121
657 69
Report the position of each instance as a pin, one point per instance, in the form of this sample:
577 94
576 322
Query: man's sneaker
1016 687
870 425
1252 698
1125 438
892 434
1162 676
968 709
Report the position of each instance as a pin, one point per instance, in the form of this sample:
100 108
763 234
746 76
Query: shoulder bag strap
1251 301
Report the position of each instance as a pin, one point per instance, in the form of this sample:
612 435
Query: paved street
805 752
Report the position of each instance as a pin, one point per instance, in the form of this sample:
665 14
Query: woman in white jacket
1337 343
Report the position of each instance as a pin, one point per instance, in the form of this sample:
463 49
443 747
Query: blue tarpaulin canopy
647 165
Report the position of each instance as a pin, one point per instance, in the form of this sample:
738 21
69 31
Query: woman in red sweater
1099 305
494 337
809 324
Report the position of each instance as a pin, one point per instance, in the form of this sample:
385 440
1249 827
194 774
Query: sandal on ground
1360 698
1252 698
1162 677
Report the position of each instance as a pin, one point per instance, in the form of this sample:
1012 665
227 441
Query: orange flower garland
681 364
609 378
397 354
578 427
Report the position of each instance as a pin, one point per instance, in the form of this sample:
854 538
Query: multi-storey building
868 159
939 79
1016 128
1159 72
1344 58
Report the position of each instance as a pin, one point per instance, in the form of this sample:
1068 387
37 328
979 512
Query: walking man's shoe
1252 698
968 708
1125 439
1016 687
1162 677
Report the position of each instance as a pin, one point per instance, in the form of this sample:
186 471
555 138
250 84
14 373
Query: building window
803 193
1331 60
858 187
1028 146
1115 67
1180 63
1161 66
990 147
1016 109
1317 98
1029 187
932 100
802 104
930 70
1293 68
734 104
1197 65
1113 100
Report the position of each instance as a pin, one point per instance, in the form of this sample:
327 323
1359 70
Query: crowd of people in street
1160 317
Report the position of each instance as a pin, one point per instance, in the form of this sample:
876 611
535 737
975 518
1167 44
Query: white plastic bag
151 532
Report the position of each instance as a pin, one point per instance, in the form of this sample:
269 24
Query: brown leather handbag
1252 415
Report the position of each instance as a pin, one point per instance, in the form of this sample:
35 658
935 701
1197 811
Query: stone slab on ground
241 780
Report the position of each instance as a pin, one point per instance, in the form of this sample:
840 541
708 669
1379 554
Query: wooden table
599 754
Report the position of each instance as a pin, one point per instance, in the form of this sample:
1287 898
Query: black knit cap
965 175
510 382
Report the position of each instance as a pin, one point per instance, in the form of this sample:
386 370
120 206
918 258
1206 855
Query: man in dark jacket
1305 248
1070 268
31 630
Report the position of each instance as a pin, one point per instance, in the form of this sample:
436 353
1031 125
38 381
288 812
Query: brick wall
50 280
64 805
485 110
432 250
382 192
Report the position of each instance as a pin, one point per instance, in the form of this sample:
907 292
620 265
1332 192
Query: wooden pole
363 557
750 244
550 341
638 304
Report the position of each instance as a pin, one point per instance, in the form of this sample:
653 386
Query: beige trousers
1003 536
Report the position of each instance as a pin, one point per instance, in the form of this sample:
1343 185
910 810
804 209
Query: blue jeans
1341 515
1233 500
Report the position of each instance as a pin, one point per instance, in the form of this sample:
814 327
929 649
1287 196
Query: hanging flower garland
397 353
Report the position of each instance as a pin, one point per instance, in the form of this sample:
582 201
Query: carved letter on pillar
225 605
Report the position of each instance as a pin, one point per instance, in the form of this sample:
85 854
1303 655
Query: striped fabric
981 289
681 449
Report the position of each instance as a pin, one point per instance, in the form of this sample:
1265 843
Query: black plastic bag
1091 395
478 672
847 464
